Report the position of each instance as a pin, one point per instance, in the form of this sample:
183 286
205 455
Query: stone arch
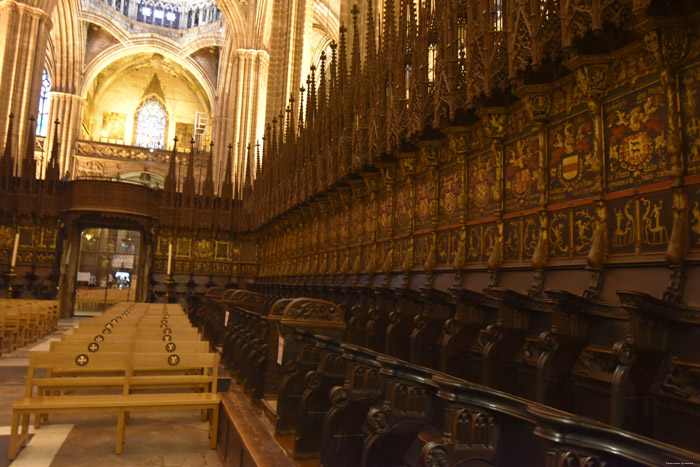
199 78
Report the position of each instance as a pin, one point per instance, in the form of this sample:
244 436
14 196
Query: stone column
68 109
24 31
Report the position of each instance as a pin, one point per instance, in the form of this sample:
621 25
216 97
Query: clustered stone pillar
249 119
67 109
24 31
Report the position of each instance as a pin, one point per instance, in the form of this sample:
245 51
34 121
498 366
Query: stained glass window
42 120
151 124
498 15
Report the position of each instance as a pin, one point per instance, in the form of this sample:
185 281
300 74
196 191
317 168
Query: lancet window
42 120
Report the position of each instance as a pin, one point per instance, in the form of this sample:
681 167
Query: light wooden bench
24 321
123 403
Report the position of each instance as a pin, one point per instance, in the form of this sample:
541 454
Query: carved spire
342 60
302 90
311 102
29 164
208 188
170 180
7 161
355 65
8 138
258 160
389 29
188 185
227 185
273 140
290 121
370 40
333 71
248 171
52 169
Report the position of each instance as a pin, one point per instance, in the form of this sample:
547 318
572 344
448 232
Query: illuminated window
151 124
158 14
146 11
498 15
170 16
42 121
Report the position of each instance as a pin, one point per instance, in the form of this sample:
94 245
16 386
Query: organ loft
398 232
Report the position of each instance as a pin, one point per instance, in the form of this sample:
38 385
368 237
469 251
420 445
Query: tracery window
151 124
42 120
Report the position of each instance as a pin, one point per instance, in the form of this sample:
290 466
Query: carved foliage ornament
592 74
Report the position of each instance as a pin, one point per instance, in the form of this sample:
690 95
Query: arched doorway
108 268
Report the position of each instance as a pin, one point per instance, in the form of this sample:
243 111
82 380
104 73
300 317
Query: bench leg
214 426
121 426
14 436
25 428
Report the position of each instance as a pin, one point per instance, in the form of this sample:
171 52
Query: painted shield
173 360
570 167
93 347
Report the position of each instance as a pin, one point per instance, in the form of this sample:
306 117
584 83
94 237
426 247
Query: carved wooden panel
449 194
690 116
403 209
385 220
656 218
635 138
622 225
425 191
694 214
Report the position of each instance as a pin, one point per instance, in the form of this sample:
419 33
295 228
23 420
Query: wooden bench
123 403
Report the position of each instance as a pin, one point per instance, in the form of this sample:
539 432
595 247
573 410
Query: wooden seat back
76 363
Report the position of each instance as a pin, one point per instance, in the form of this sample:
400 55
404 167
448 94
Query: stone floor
167 439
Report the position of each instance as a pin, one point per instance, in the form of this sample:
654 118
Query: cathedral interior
416 232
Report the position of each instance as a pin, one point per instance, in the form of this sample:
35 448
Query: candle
170 256
14 251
